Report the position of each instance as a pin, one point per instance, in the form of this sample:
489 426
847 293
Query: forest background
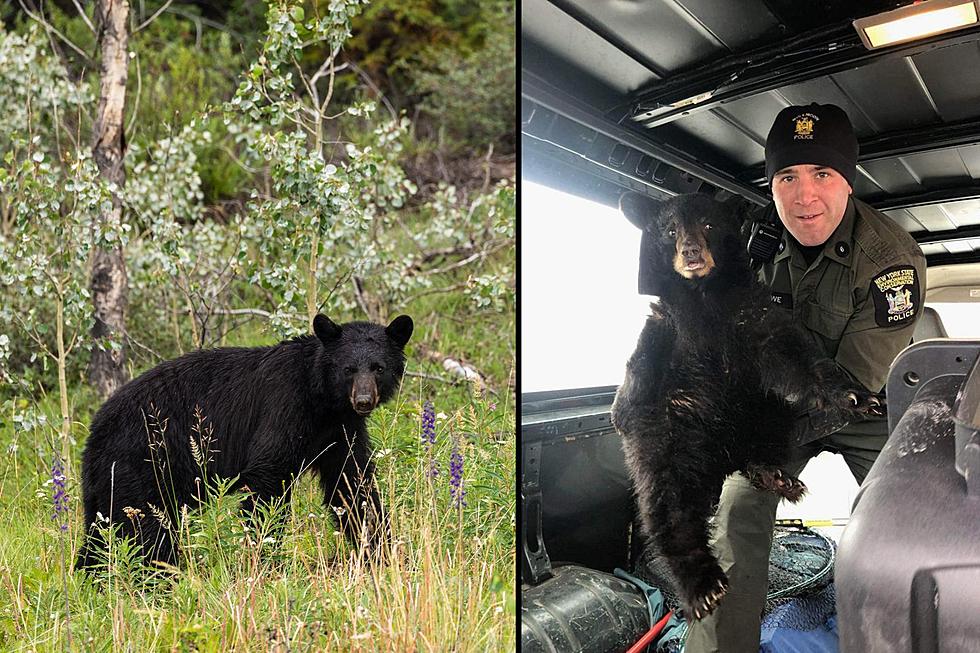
281 159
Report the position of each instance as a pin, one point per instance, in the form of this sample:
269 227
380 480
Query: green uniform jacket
861 297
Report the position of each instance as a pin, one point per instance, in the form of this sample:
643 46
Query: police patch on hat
896 295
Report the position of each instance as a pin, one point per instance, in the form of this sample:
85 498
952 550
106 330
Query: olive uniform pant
743 536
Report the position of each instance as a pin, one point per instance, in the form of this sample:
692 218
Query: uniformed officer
855 280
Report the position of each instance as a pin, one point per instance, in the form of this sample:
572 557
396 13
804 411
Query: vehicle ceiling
603 85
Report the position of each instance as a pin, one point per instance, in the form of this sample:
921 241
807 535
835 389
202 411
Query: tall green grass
447 583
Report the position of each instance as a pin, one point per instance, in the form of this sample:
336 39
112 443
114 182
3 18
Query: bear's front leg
347 480
645 370
791 369
269 491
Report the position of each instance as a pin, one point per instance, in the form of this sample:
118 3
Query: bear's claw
706 605
773 479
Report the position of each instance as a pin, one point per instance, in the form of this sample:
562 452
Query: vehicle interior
676 96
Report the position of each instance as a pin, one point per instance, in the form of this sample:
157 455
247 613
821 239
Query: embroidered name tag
783 299
896 295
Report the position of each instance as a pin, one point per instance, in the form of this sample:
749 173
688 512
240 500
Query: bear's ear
639 209
741 208
400 330
325 329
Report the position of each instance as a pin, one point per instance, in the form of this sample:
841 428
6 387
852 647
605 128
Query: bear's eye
349 370
672 232
708 226
378 369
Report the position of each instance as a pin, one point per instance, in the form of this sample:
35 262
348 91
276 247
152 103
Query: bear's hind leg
675 508
685 546
88 554
770 478
153 541
267 501
156 541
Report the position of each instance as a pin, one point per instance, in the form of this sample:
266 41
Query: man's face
810 201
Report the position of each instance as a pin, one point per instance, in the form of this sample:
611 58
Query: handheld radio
767 232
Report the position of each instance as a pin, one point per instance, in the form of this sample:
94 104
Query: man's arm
883 323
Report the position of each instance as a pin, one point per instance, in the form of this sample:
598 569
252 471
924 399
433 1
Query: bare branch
435 291
238 161
374 87
200 20
411 236
486 171
136 102
81 12
341 280
73 342
443 379
333 72
153 17
51 29
36 337
469 259
132 340
370 309
434 377
244 311
323 70
247 311
306 82
454 366
442 252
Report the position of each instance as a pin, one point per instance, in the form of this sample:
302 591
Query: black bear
269 414
714 386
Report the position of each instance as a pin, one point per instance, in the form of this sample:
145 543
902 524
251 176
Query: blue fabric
671 638
802 625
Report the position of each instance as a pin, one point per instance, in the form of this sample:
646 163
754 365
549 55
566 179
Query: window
580 312
960 319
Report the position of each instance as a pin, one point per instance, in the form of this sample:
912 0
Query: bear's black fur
714 385
273 412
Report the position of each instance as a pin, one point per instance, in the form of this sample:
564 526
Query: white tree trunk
107 370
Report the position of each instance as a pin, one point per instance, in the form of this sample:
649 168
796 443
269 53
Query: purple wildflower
60 496
456 475
428 423
429 435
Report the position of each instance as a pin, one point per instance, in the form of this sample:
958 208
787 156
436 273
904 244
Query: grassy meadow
448 584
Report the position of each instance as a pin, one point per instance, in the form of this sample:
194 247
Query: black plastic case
908 568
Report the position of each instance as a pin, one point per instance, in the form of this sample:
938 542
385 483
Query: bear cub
263 414
714 385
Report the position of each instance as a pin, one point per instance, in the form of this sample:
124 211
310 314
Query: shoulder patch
896 295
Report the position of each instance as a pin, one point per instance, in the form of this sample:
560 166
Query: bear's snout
364 394
691 249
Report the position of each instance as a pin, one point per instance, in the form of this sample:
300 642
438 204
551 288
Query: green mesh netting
801 562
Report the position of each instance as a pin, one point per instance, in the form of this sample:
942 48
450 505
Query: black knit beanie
818 134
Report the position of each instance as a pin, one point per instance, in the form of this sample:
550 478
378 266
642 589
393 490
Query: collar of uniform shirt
843 234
